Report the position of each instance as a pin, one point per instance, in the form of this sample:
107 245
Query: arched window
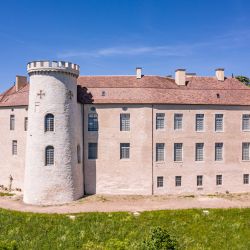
49 122
78 154
49 155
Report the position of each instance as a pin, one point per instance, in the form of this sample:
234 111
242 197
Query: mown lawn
220 229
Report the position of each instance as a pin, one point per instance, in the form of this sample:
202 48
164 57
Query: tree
243 79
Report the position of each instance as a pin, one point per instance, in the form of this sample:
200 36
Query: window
160 120
159 181
219 122
219 151
218 179
14 147
178 152
78 154
199 151
124 150
92 151
178 121
177 181
49 122
124 122
199 122
199 180
160 151
49 155
92 122
245 178
245 122
245 151
12 122
25 123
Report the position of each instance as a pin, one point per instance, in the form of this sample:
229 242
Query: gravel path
97 203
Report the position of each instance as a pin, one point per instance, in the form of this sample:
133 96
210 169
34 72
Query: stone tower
53 168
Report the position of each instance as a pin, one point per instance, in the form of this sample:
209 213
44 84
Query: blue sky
108 37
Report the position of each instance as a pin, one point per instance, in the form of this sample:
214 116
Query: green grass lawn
220 229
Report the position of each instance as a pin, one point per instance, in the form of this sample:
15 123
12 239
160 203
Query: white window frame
199 180
199 118
125 122
160 181
199 157
49 123
160 121
178 146
178 181
246 151
124 151
245 179
14 147
219 118
49 156
178 121
160 152
25 123
12 122
219 180
245 118
219 145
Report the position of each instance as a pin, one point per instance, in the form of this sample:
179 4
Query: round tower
53 169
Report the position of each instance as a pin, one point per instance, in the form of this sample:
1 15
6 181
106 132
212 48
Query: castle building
65 135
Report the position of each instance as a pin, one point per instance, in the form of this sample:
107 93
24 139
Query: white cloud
226 41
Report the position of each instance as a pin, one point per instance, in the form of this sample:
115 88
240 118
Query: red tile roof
147 90
163 90
11 97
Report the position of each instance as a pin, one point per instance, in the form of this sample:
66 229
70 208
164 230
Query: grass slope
221 229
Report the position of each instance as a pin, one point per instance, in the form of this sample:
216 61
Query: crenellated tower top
40 67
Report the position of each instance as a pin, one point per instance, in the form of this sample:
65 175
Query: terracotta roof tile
13 98
163 90
147 90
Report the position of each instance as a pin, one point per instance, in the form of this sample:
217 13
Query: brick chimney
21 81
219 73
180 77
138 72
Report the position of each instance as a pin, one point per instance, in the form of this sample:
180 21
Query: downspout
152 146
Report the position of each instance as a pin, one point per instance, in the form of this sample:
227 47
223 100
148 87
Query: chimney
138 72
219 73
21 81
180 77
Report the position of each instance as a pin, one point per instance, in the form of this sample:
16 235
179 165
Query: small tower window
49 155
49 122
78 153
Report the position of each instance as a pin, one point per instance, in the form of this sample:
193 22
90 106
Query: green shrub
6 245
159 239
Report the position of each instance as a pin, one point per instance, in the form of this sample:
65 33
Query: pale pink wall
114 176
12 164
108 174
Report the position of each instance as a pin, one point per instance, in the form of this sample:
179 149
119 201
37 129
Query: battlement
46 66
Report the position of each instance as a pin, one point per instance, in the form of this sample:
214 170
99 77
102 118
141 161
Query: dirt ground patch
108 203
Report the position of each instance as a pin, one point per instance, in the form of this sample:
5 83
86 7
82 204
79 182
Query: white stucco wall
61 182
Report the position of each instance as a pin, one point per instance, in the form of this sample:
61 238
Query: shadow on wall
90 140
